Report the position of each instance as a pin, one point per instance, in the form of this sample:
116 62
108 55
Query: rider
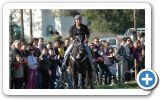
78 29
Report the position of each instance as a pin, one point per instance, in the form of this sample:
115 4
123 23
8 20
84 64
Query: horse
80 66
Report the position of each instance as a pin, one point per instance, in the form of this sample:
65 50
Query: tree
140 18
14 27
113 20
66 12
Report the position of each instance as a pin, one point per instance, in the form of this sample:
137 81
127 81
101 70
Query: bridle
76 44
77 41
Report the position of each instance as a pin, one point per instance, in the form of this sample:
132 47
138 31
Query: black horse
80 65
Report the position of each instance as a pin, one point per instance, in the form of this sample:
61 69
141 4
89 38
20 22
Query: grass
127 85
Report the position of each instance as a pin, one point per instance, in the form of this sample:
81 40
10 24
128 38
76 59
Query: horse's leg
96 74
79 80
87 78
83 79
90 79
75 75
100 74
75 84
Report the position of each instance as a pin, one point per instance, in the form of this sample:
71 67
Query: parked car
130 31
113 41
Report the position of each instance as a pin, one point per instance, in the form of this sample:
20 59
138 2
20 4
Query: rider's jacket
82 32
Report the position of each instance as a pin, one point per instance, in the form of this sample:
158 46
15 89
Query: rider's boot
64 67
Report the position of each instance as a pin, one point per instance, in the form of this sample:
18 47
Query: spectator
128 54
25 53
18 72
32 70
142 39
49 45
123 64
98 60
66 43
142 59
96 50
112 67
59 51
106 48
14 50
37 51
53 66
45 68
40 44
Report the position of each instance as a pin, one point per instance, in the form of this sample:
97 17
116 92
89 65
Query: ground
126 85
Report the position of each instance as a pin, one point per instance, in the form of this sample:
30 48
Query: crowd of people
36 65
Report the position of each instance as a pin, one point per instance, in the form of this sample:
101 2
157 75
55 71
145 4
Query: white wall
37 23
47 19
66 22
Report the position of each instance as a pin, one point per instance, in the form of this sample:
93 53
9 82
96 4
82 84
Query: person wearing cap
81 30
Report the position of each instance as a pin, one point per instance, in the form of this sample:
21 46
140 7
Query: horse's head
78 51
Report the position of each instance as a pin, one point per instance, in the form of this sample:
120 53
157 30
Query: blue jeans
68 78
88 50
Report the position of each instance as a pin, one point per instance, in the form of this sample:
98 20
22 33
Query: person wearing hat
81 30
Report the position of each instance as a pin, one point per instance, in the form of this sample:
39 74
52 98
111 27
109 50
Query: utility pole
31 31
135 24
22 26
135 27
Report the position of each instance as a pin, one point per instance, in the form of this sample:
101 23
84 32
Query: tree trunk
31 31
22 26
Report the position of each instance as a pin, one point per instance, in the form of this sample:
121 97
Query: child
53 67
45 68
32 70
112 66
18 72
59 50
